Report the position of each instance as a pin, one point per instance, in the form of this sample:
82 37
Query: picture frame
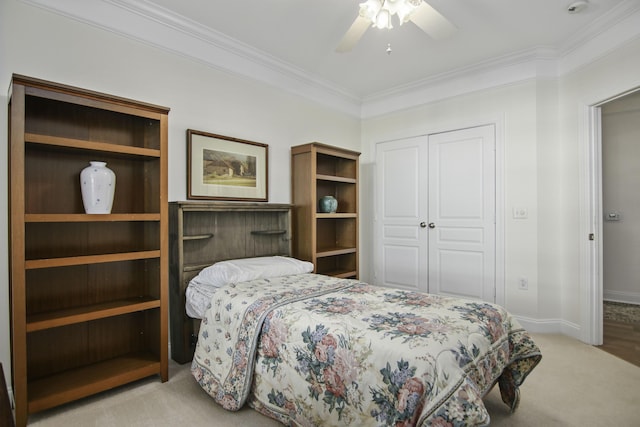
225 168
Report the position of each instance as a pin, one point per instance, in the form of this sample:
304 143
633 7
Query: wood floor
622 339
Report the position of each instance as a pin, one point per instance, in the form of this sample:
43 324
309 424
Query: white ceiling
304 34
291 44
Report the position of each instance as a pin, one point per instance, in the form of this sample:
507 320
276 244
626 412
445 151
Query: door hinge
592 236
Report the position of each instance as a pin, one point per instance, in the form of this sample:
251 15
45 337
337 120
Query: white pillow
245 269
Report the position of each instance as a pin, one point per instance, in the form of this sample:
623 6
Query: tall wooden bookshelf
89 293
328 240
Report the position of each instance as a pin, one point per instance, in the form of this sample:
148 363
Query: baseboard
617 296
550 326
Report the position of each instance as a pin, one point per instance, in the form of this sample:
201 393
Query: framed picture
224 168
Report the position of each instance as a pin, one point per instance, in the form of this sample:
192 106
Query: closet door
401 214
435 213
461 193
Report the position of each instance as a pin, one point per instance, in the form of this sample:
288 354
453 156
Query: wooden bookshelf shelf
89 259
45 393
328 252
56 319
336 215
90 145
91 218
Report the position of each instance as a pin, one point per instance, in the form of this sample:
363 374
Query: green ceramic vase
328 204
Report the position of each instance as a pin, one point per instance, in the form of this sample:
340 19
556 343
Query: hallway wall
621 197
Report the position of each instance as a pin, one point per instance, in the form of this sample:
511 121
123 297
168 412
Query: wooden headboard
202 233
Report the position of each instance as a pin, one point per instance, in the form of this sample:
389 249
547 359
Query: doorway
602 218
620 130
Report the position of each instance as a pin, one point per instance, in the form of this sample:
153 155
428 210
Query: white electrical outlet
520 213
523 283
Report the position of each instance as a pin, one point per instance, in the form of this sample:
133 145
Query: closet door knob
432 225
423 225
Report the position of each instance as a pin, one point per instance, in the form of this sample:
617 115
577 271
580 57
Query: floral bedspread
314 350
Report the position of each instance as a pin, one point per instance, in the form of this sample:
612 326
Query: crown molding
503 71
158 27
619 26
617 15
146 22
610 31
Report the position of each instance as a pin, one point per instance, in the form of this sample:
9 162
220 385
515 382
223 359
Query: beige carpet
574 385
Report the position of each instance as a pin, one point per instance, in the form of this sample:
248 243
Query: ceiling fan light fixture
380 12
370 9
383 19
405 8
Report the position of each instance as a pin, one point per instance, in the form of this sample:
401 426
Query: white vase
98 185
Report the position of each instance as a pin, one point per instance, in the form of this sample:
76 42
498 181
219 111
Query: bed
308 349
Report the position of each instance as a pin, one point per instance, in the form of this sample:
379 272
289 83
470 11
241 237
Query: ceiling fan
378 13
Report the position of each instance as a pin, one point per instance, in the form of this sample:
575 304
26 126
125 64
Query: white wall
40 44
545 150
612 74
513 108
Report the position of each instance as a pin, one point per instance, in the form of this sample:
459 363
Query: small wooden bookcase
328 240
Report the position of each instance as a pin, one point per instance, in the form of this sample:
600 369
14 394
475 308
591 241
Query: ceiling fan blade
432 22
354 34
